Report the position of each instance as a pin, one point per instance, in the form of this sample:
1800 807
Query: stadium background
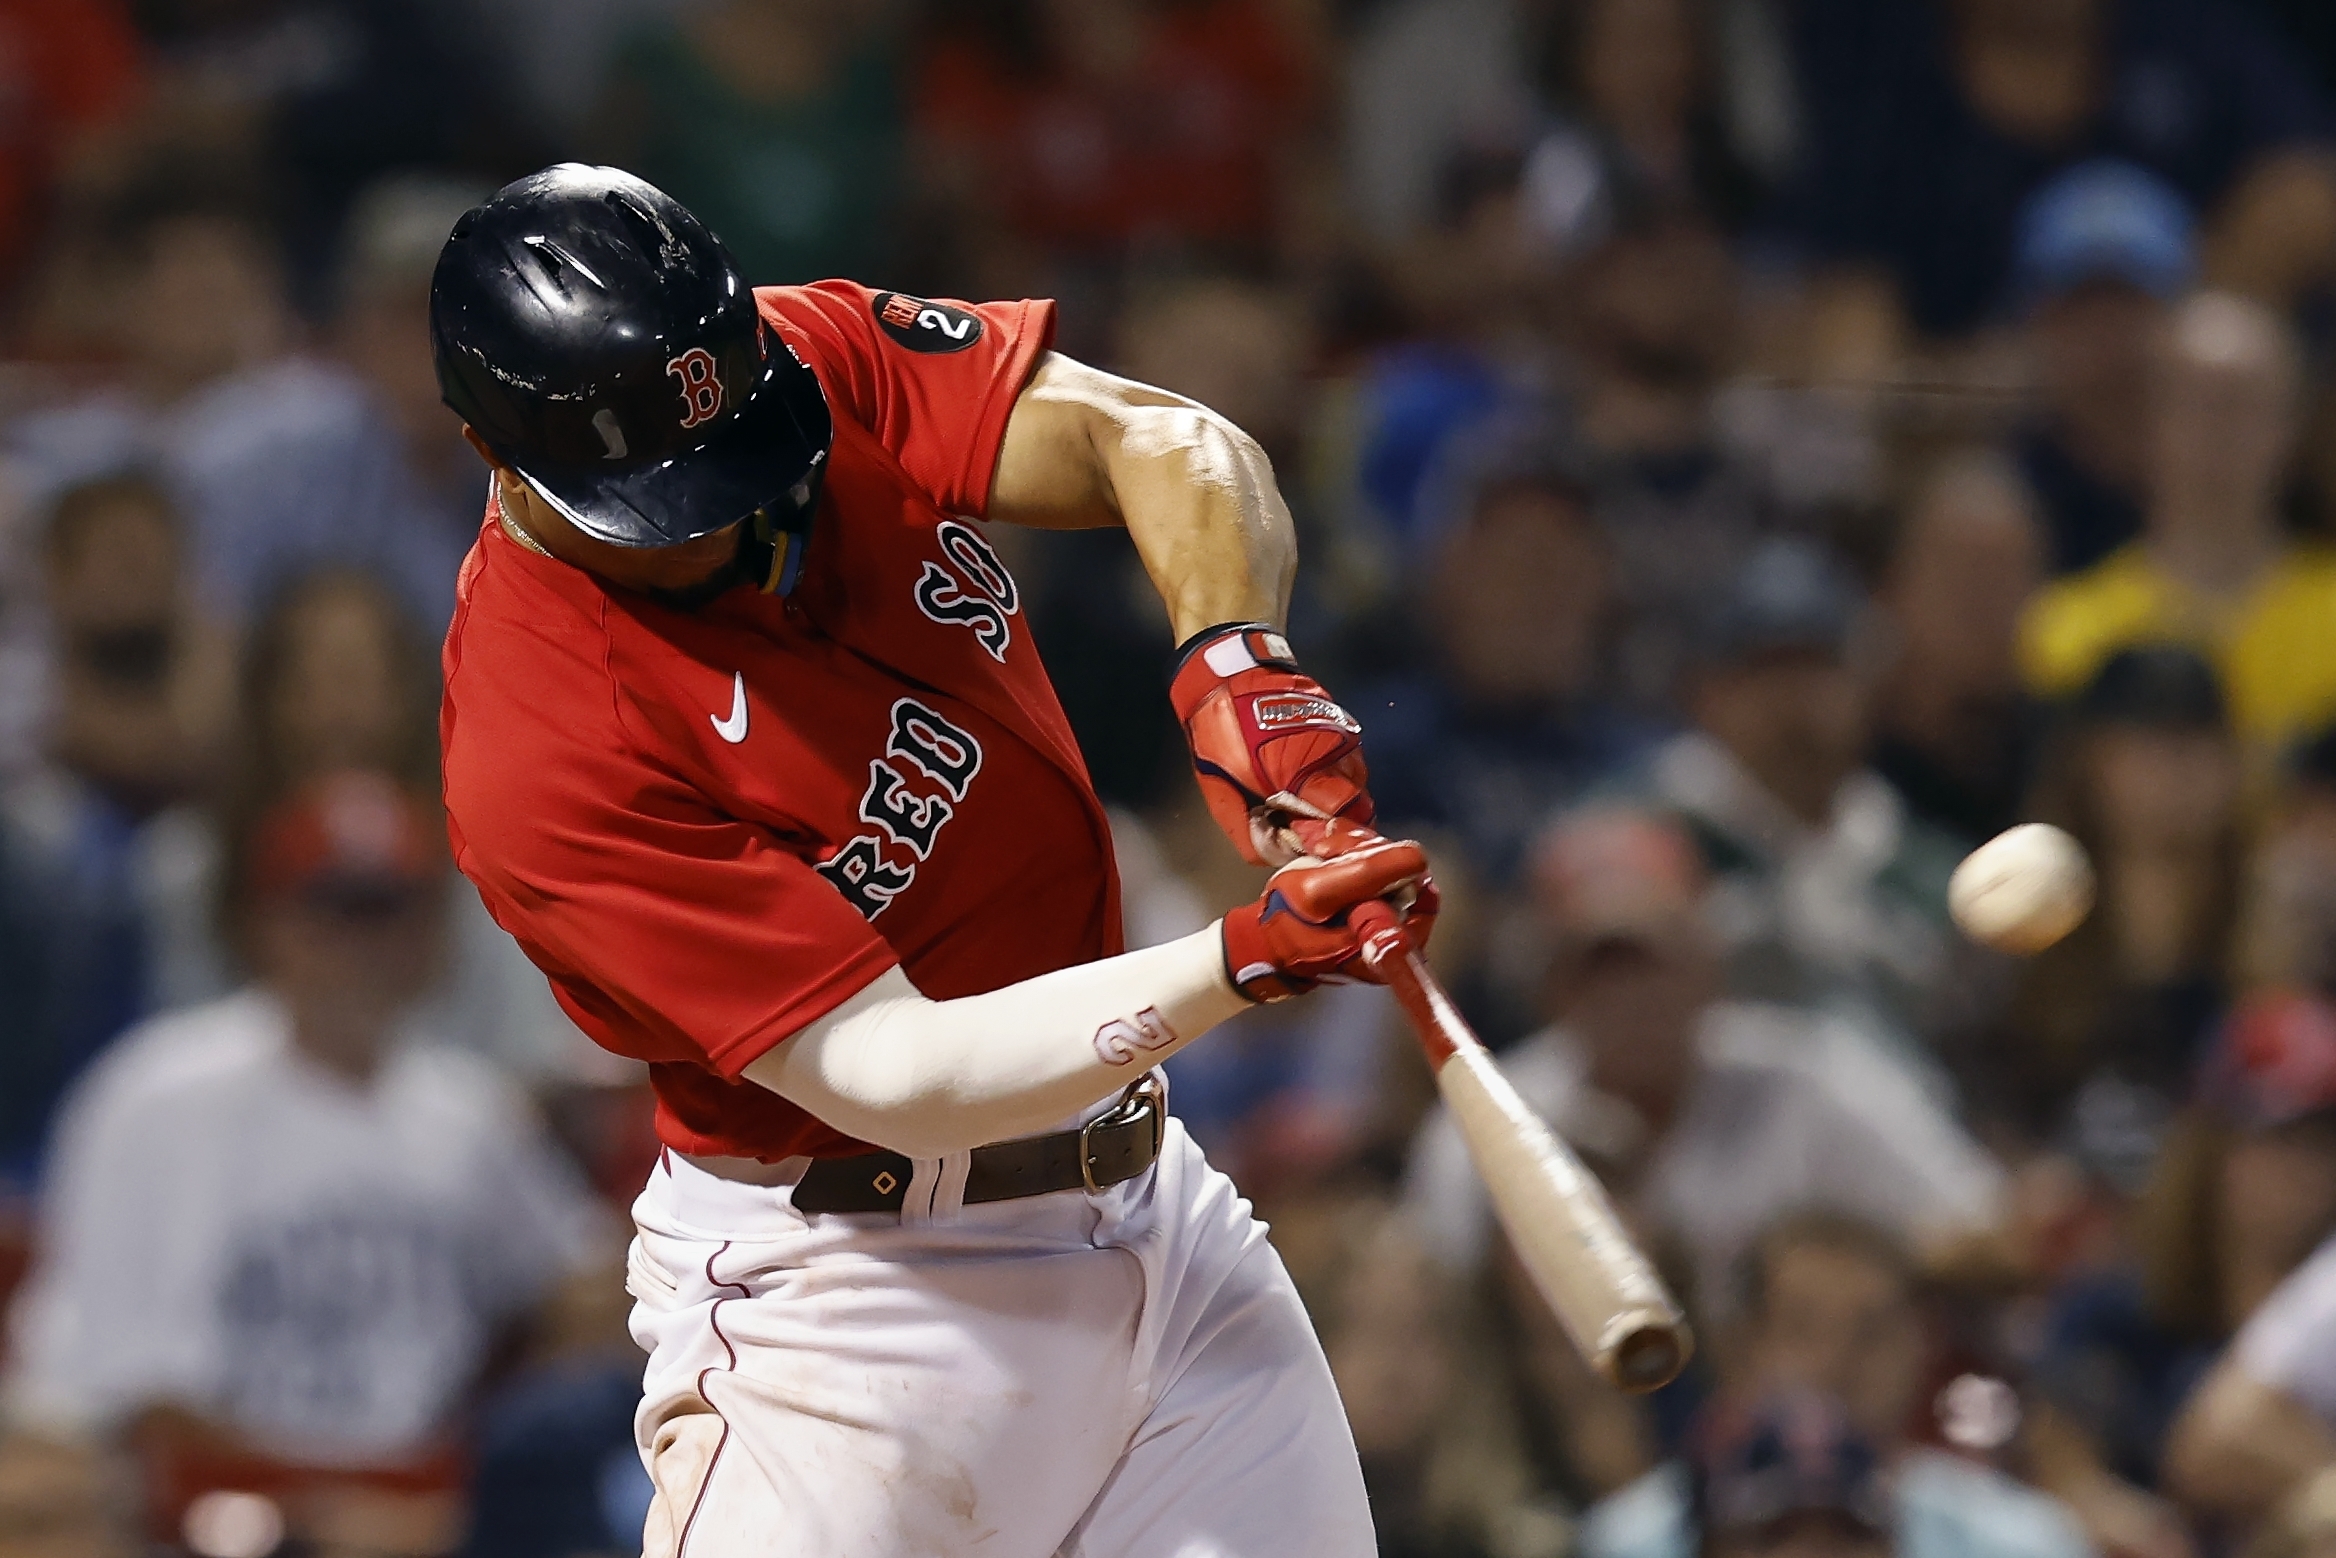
1746 452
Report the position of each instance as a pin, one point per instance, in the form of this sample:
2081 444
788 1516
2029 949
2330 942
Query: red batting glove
1266 739
1297 936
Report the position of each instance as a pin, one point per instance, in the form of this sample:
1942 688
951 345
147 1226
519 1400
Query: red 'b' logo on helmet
701 391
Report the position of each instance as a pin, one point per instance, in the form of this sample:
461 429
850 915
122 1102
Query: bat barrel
1565 1233
1557 1216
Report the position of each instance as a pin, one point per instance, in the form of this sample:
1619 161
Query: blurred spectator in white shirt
289 1217
1827 893
2242 1190
2260 1434
2290 1343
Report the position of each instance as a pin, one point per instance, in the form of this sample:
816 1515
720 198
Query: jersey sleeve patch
924 326
935 382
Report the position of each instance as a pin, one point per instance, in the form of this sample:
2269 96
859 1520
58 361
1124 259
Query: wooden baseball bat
1558 1218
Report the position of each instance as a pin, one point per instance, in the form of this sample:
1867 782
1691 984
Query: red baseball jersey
710 829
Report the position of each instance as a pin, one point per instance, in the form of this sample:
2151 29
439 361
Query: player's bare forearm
1084 448
1276 757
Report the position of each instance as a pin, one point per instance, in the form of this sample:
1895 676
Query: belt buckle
1149 1091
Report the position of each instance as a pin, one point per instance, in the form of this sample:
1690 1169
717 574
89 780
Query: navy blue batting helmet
601 340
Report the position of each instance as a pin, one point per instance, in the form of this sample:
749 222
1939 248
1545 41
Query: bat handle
1387 952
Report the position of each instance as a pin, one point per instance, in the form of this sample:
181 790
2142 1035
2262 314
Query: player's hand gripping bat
1558 1218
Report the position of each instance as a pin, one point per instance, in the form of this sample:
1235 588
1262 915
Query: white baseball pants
1122 1375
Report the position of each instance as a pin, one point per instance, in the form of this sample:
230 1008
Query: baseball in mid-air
2022 890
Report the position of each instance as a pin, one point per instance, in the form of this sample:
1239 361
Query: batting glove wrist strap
1265 737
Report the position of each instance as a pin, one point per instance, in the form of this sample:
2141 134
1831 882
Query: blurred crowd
1746 453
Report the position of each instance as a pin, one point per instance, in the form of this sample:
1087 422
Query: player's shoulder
532 694
861 339
851 314
526 630
834 307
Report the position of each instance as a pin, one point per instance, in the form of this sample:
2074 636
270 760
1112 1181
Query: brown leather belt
1110 1149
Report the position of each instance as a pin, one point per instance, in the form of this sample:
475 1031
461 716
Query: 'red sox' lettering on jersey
927 765
893 781
975 591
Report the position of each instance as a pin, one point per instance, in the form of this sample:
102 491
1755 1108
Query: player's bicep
1055 466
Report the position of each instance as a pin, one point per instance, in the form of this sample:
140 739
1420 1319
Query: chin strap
782 537
779 556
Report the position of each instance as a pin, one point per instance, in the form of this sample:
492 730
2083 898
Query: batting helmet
602 342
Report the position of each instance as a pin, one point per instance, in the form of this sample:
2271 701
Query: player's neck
682 577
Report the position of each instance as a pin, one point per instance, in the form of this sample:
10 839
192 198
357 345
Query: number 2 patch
925 327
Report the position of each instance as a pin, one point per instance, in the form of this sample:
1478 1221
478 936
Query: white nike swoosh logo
733 729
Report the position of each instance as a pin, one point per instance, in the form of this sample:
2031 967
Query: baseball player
747 743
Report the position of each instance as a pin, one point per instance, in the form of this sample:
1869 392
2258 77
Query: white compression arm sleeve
926 1077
